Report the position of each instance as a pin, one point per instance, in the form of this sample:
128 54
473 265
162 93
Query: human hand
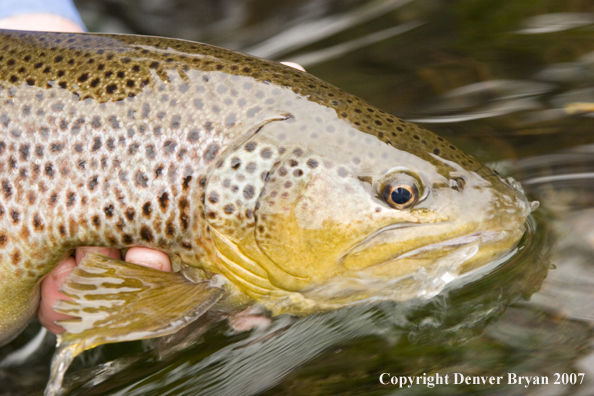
50 16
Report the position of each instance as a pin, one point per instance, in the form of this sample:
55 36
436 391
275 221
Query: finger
40 21
81 252
50 294
294 65
149 258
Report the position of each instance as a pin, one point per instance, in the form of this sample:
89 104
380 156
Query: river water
507 81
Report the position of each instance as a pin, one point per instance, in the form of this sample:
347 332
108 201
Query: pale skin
137 255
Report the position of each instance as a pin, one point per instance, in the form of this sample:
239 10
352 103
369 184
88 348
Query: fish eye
400 194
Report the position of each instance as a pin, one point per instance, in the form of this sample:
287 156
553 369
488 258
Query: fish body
301 196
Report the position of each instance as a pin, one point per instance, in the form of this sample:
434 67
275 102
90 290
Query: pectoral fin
116 301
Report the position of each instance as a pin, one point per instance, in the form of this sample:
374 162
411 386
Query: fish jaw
435 254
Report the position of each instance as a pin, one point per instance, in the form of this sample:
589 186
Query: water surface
502 79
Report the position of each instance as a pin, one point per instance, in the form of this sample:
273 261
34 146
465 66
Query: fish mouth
482 236
418 281
418 270
398 250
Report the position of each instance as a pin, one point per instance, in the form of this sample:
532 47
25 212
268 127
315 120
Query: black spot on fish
169 146
96 122
115 124
193 135
146 234
140 179
186 182
170 229
71 198
49 169
96 144
211 152
164 201
53 199
150 151
146 209
175 122
24 150
110 89
213 197
248 191
108 211
230 120
15 257
7 189
133 148
251 167
266 153
187 245
251 146
130 213
93 183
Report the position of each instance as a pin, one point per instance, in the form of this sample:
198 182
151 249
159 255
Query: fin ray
115 301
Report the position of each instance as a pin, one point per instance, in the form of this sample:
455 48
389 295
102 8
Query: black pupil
400 196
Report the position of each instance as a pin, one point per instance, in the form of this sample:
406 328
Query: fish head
341 223
353 214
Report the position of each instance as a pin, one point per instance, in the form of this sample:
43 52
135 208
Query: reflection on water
510 82
548 23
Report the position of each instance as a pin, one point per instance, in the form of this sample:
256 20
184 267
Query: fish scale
86 167
234 165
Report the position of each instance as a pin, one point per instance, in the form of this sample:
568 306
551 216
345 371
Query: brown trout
269 183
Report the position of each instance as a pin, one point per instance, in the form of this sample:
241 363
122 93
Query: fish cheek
304 225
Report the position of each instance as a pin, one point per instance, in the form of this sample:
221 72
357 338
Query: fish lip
381 231
461 240
483 236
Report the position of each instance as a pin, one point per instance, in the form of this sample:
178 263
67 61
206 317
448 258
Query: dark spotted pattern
121 140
